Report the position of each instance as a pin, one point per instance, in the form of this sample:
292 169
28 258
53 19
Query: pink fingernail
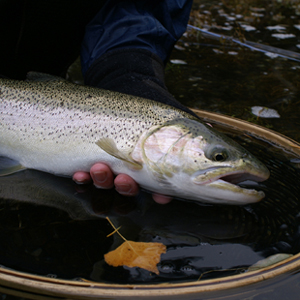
100 177
124 188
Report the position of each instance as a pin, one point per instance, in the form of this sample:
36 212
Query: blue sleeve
153 25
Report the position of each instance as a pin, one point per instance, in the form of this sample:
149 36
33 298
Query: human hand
103 177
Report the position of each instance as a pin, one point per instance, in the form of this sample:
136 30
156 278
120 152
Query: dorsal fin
37 76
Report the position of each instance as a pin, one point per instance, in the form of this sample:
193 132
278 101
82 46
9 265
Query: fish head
202 164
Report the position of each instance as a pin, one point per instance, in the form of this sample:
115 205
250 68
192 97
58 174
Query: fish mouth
226 174
238 177
228 180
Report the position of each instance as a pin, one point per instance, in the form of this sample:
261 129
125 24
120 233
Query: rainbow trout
52 125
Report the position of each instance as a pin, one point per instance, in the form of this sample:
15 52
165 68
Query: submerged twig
291 55
222 270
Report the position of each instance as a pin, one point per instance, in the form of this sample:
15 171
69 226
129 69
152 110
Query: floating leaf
178 62
136 254
264 112
271 260
281 36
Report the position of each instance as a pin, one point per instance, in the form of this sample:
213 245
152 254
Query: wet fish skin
52 125
58 118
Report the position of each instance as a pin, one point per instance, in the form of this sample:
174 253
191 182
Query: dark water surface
66 236
223 77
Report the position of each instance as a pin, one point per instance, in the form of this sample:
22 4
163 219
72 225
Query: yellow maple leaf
136 254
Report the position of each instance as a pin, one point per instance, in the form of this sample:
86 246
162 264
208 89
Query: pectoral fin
109 146
9 166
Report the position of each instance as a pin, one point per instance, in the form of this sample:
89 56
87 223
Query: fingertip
81 177
161 199
102 176
99 167
126 186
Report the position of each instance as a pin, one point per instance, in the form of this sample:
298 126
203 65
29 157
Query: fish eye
219 156
217 153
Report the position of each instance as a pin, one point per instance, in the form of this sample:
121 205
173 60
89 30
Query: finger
82 177
161 199
126 186
102 176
